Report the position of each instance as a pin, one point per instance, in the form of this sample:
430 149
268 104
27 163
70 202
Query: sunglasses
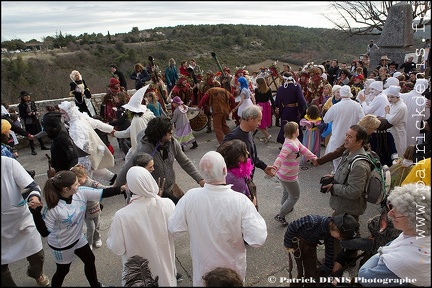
391 211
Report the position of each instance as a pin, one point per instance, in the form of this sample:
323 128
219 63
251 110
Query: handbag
253 191
177 191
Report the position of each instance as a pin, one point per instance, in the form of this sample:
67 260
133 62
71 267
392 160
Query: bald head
213 168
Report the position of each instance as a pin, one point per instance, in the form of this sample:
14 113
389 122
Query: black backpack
378 185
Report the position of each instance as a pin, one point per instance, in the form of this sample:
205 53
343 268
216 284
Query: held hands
270 171
34 202
161 186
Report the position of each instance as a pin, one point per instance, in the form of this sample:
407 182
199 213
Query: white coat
398 118
416 112
376 106
140 228
218 220
343 114
19 236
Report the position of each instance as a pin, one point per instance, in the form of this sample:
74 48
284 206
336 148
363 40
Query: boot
194 145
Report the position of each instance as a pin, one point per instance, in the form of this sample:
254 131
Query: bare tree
368 17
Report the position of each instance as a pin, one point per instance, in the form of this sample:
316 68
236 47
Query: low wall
41 108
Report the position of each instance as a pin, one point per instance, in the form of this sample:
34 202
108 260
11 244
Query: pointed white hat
134 103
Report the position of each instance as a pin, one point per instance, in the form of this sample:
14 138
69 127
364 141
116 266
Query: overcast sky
34 20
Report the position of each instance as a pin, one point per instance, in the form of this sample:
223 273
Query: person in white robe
219 220
343 115
81 130
396 114
141 229
418 111
379 102
19 236
140 119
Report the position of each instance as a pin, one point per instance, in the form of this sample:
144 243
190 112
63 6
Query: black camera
325 180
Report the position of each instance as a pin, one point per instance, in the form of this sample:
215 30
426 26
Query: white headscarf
141 182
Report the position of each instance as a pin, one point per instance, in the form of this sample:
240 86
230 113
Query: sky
37 19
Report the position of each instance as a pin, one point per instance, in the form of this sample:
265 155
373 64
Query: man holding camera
348 185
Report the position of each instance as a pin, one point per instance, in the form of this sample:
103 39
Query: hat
134 103
397 74
391 81
177 100
393 90
384 57
24 93
377 85
346 224
345 91
181 79
336 88
114 82
51 119
359 76
394 63
5 126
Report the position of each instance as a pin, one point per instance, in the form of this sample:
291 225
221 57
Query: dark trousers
86 255
34 270
305 256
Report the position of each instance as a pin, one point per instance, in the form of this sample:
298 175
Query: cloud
34 20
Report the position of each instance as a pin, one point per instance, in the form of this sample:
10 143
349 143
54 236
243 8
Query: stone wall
41 108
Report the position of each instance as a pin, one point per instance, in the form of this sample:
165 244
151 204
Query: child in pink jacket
287 167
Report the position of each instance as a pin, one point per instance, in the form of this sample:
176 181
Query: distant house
34 46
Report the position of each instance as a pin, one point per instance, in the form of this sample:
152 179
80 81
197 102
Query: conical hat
134 103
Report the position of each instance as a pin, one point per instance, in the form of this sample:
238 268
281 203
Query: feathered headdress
137 273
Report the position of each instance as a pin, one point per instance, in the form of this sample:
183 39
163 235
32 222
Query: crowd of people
384 109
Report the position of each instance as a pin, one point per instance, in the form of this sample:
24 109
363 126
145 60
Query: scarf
243 170
334 101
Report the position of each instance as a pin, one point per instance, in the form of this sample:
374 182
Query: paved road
266 266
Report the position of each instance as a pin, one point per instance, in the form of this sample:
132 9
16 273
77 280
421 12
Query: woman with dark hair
157 140
239 165
62 222
29 114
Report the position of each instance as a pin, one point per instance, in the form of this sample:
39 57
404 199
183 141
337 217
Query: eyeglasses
391 212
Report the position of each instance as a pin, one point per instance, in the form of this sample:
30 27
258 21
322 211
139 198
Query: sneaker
179 277
281 220
42 281
267 139
98 243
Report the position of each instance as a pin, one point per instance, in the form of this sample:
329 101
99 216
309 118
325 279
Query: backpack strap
355 159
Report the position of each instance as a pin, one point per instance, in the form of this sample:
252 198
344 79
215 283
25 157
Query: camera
325 180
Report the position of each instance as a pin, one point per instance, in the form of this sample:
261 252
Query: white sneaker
98 243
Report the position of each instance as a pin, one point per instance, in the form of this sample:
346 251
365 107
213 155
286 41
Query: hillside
46 73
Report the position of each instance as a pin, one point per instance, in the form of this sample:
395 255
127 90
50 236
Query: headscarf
141 182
